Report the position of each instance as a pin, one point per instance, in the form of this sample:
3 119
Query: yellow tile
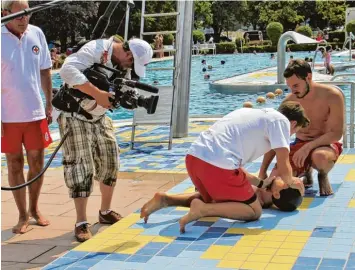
90 244
276 238
122 236
278 232
247 243
351 204
305 203
103 235
164 239
351 175
268 244
297 239
133 231
292 245
210 219
253 237
107 249
130 248
256 232
288 252
259 258
216 252
235 257
242 250
279 266
229 264
144 238
284 259
182 208
265 251
116 242
254 265
236 230
300 233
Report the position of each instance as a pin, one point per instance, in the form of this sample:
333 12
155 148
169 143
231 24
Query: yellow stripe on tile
279 266
236 257
351 175
278 232
305 203
259 258
300 233
288 252
164 239
130 248
254 265
351 204
90 245
216 252
230 264
284 259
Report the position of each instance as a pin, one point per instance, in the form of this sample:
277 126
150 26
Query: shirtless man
316 146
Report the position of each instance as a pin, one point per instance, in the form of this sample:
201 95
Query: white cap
142 54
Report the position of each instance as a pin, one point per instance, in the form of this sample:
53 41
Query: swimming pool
204 101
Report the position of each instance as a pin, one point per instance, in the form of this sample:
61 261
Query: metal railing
351 125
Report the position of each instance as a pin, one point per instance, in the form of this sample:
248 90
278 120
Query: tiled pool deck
320 235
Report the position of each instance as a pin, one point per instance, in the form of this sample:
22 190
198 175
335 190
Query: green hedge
304 30
168 39
225 47
274 30
198 35
238 40
340 35
350 27
293 47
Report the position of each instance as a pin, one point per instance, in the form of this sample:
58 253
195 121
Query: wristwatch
261 184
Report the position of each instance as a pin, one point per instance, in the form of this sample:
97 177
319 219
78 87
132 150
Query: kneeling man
215 162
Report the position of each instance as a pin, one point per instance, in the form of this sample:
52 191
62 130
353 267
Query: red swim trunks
217 184
297 144
33 135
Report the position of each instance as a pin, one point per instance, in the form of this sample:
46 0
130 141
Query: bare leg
232 210
323 160
308 183
106 196
35 160
80 207
15 164
161 200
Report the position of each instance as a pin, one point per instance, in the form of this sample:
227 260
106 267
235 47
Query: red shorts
33 135
217 184
297 144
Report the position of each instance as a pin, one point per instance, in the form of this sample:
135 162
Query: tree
332 11
202 14
225 15
284 12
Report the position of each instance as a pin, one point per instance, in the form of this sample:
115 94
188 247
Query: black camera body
69 99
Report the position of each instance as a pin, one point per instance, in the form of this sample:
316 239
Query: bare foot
21 226
308 182
156 203
325 189
192 215
40 220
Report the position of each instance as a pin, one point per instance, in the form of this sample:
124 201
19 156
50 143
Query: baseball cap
142 54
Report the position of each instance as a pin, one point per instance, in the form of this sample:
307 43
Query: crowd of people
215 161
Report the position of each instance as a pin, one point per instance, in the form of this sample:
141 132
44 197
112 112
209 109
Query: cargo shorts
89 152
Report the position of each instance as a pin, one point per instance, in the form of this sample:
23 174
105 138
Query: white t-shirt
241 137
21 63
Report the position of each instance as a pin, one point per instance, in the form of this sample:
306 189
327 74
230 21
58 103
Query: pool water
203 100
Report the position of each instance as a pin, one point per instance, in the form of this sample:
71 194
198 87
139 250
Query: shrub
304 30
274 30
198 35
225 47
350 27
168 39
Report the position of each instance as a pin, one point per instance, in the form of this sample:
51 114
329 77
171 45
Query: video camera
129 99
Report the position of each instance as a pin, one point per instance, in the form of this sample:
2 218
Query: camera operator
90 150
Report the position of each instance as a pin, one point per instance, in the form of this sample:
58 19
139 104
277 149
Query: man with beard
316 146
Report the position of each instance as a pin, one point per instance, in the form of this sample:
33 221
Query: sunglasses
19 18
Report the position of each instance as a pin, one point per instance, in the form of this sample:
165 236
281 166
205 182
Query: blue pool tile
139 258
190 254
55 267
307 261
117 257
313 254
333 263
196 247
170 252
304 267
324 229
322 234
230 236
97 255
351 263
206 263
76 254
336 255
106 264
179 246
147 251
217 229
352 257
184 240
203 223
327 268
65 261
155 245
160 260
86 262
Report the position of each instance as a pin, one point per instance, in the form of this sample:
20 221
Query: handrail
352 108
